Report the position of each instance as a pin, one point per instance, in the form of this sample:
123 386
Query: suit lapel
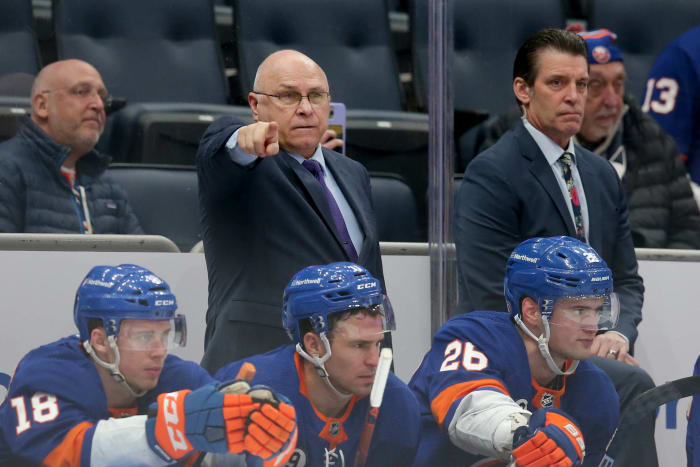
310 189
540 168
592 193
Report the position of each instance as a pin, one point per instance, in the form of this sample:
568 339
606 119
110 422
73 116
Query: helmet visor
141 334
369 321
598 312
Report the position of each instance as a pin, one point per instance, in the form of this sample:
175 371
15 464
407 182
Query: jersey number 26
464 353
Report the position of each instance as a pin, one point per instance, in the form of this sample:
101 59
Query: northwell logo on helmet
98 282
599 279
524 258
305 281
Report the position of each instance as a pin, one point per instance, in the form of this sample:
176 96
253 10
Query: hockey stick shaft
642 406
375 402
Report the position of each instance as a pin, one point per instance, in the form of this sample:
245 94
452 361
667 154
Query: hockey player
672 97
84 399
336 315
514 386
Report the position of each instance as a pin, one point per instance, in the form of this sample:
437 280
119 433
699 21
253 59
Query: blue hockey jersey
56 398
672 96
482 350
327 441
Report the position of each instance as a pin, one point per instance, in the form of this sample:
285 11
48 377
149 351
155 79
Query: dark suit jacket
263 223
509 194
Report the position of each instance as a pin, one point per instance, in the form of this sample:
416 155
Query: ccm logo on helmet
368 285
165 302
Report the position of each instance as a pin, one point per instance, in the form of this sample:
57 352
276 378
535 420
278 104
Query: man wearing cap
662 211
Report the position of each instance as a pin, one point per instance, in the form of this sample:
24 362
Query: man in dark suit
535 182
273 201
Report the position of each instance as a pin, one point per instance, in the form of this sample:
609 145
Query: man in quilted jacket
51 178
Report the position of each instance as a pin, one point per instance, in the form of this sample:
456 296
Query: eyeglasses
294 98
85 91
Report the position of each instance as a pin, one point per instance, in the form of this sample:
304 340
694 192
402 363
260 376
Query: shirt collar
551 150
318 157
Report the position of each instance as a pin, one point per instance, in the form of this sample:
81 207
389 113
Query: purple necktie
315 168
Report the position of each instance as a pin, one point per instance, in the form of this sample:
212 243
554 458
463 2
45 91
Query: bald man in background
274 201
51 178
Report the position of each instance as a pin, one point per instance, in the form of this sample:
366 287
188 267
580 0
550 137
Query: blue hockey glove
203 420
551 439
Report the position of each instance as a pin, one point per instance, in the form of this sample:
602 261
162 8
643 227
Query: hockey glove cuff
551 439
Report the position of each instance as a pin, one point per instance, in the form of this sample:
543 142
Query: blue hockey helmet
114 293
550 269
316 292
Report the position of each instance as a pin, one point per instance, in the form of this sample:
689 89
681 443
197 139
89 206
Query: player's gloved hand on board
270 430
209 420
551 439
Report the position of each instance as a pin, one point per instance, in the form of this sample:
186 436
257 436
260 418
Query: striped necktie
566 160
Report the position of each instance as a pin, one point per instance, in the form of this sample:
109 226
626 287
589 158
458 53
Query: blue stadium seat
487 35
395 208
644 28
351 41
19 63
20 52
152 53
164 198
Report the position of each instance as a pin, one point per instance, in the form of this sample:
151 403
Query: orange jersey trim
123 412
68 452
602 33
442 402
328 429
541 391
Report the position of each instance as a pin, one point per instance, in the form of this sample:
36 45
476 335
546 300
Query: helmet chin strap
319 364
543 346
112 367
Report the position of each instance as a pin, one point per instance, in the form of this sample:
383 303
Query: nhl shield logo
547 400
334 428
601 54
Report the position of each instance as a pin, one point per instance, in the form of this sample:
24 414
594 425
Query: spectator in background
662 211
672 97
51 178
266 215
536 182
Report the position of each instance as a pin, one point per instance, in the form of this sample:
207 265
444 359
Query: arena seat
394 207
20 51
150 55
165 199
351 41
487 35
642 36
19 63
